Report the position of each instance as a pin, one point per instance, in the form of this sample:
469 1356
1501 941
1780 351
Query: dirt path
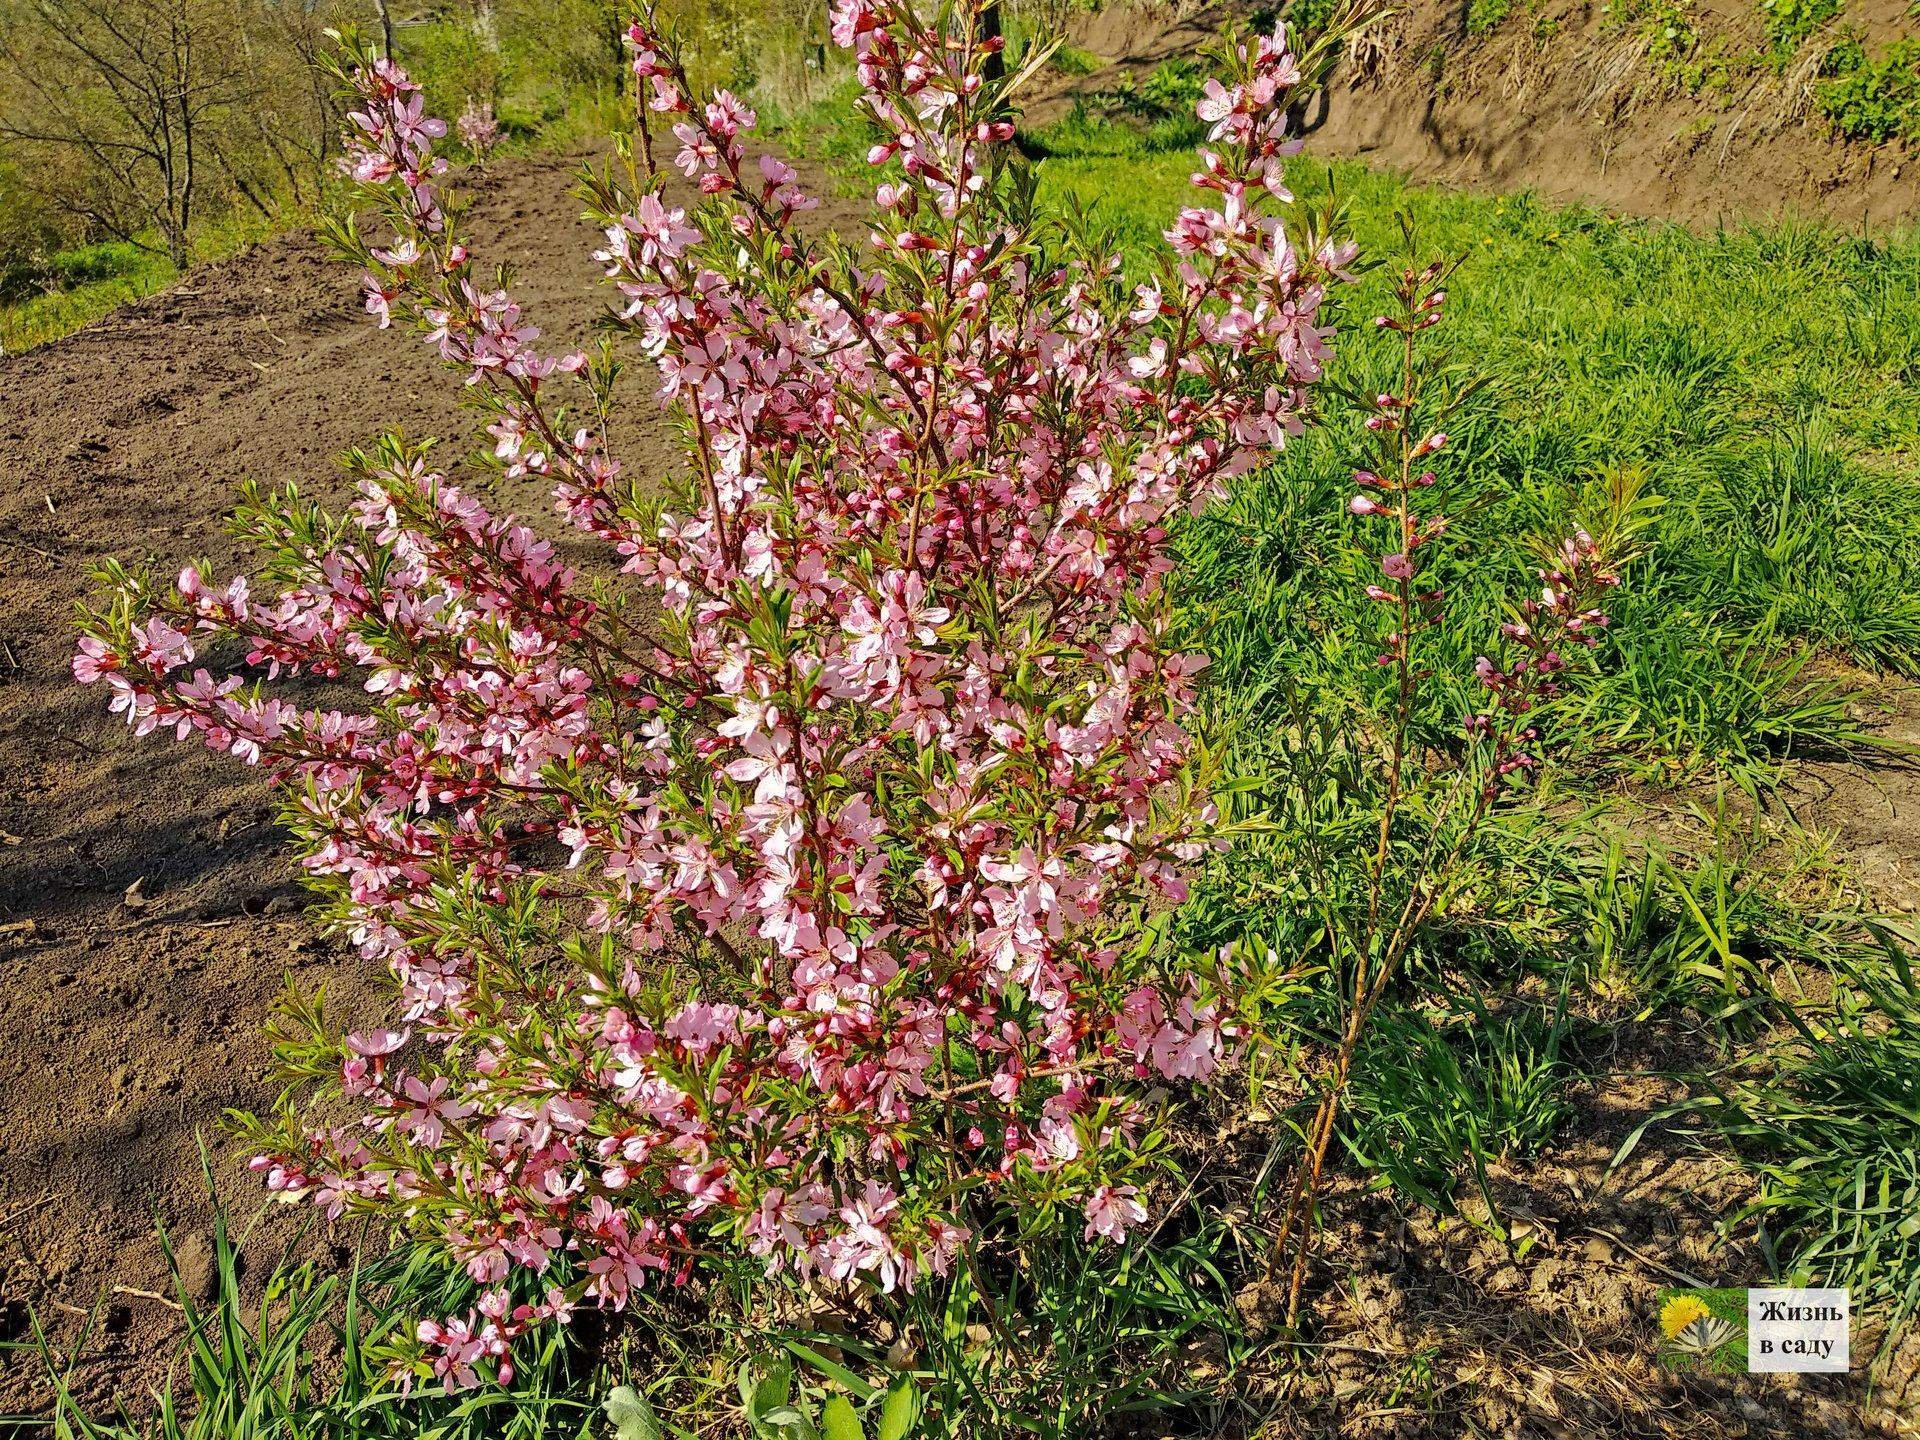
129 1018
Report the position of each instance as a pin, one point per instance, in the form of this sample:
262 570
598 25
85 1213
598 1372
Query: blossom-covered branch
789 898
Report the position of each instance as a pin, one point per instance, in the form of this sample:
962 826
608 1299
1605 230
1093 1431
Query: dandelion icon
1691 1327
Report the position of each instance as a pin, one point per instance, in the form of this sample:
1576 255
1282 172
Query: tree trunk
485 29
996 66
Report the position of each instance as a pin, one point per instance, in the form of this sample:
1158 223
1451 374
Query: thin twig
32 549
149 1295
1692 1282
20 1211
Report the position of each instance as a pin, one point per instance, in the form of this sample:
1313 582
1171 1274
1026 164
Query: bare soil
1559 100
1873 804
1435 1327
148 917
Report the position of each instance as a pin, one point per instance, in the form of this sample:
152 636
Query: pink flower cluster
1566 614
785 889
477 128
1573 581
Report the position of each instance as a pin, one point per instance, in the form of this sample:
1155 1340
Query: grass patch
1830 1120
1073 60
72 288
61 310
1761 377
314 1355
1438 1092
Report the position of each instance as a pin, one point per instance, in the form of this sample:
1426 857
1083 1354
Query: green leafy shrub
1872 98
1789 23
1486 16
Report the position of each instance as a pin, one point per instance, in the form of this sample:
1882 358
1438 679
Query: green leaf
861 1390
774 1390
902 1408
631 1416
837 1420
785 1418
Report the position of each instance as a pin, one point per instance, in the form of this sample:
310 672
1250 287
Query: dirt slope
1559 100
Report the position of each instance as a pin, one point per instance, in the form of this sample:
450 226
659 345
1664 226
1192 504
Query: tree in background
130 118
148 121
131 92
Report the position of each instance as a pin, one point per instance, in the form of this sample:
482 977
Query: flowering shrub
1427 811
477 128
784 891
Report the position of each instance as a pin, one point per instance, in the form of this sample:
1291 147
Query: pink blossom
1113 1210
701 881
